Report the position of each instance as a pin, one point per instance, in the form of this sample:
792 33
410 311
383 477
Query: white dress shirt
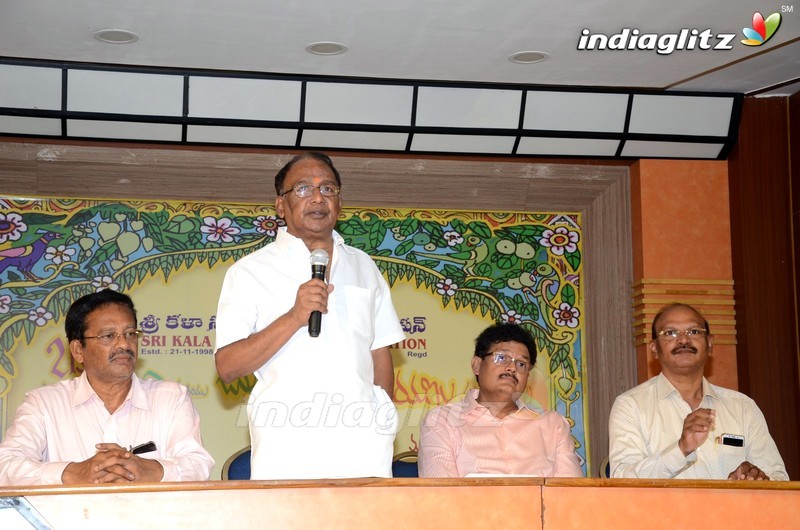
315 411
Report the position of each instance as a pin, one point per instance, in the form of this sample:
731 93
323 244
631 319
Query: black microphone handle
314 323
315 320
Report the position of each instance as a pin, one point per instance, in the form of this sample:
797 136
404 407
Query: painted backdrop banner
452 273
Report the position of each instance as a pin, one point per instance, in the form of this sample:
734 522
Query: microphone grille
319 257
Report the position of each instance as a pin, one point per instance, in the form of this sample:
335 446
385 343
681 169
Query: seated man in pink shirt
491 431
108 425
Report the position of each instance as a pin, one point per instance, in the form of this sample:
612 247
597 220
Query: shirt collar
471 403
84 392
338 243
286 241
137 395
708 390
664 388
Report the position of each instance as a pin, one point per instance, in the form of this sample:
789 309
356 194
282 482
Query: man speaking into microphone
319 347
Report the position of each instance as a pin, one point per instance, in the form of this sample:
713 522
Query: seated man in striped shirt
678 425
491 431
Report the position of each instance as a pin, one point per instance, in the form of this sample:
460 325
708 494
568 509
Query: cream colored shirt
646 423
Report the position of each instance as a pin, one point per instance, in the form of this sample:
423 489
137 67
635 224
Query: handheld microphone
319 261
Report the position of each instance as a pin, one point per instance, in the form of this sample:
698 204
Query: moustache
119 353
511 375
684 348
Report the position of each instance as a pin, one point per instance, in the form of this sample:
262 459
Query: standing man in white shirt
321 407
678 425
108 425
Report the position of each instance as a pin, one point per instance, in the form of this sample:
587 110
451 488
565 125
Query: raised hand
696 428
311 296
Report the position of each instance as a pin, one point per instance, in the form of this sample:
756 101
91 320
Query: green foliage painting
524 268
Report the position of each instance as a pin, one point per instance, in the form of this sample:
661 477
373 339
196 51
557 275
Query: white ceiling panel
157 132
29 87
451 143
124 93
355 140
245 99
359 103
216 134
464 107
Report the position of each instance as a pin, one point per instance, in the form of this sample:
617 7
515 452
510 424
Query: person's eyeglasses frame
334 190
521 365
106 339
691 333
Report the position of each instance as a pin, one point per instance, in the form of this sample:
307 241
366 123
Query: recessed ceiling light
528 57
116 36
326 48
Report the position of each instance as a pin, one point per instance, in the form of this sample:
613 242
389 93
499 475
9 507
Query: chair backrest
605 468
405 465
237 466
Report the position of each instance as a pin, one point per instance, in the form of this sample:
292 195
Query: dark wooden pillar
765 223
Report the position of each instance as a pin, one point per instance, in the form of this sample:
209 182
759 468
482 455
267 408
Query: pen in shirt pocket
147 447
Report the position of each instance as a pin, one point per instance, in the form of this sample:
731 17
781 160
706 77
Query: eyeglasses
504 359
306 190
673 334
106 339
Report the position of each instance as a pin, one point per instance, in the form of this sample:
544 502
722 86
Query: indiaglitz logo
762 30
663 44
683 39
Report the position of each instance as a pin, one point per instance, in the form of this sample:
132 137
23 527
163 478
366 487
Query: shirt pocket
730 456
355 313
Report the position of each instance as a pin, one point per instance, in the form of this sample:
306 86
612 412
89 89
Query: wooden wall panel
764 269
610 356
18 168
794 168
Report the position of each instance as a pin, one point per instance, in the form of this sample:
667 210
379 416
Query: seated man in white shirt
108 425
678 425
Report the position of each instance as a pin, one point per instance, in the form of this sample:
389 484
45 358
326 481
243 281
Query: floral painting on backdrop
451 273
